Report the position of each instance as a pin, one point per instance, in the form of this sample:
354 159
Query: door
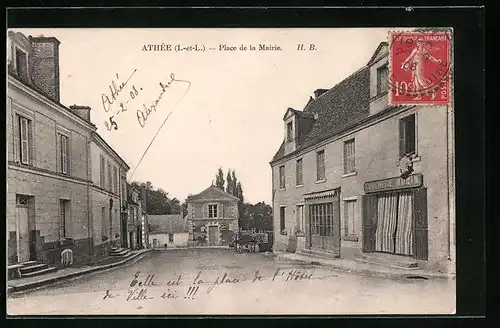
155 243
324 226
23 242
212 235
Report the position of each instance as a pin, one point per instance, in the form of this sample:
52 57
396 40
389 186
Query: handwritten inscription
147 110
145 286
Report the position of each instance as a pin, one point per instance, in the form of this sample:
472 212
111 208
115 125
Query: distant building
137 219
212 217
168 231
355 176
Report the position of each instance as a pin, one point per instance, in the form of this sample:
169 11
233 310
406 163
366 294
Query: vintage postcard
232 171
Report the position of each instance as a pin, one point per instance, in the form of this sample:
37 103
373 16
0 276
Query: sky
230 113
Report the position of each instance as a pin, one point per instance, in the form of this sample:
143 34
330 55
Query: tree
229 187
219 179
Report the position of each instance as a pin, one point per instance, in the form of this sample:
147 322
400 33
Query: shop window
321 219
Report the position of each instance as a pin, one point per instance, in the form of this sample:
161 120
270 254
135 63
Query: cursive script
143 114
114 91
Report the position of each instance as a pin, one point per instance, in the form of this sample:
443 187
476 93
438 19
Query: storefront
395 217
322 211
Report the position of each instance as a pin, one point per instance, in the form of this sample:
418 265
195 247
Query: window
282 177
382 79
349 217
300 218
170 237
63 218
282 219
321 216
21 64
289 131
212 211
349 156
25 140
320 165
407 141
102 172
298 172
64 153
110 177
115 180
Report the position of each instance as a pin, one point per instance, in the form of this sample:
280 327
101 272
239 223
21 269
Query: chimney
45 65
82 111
319 92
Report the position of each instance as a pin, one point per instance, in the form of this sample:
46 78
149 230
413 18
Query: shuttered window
349 156
320 165
299 172
115 180
282 177
282 218
24 140
407 140
102 182
64 153
349 217
110 177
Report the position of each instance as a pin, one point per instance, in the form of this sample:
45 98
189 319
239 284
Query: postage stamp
419 68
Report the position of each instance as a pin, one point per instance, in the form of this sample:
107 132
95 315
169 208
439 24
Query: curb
370 272
49 281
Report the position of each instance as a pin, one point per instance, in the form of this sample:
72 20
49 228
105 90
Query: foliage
219 179
157 200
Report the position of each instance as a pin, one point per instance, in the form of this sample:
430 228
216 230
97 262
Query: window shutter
369 222
24 140
401 138
420 243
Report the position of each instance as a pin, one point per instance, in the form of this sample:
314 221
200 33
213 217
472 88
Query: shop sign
413 181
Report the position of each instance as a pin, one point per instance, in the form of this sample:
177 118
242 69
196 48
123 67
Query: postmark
419 68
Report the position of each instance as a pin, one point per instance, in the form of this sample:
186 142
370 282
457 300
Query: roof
342 106
110 149
168 223
212 193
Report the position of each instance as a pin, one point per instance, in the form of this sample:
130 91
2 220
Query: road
219 281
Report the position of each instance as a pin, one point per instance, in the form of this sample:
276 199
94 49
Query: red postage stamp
419 68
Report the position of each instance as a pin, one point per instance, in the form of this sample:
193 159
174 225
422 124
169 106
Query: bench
13 271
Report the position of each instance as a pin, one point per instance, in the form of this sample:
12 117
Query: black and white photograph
230 171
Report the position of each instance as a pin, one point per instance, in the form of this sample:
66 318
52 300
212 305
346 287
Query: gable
212 193
382 50
289 113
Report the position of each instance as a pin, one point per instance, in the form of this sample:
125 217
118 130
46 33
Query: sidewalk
21 284
368 269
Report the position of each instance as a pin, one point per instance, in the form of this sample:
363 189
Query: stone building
355 177
51 170
137 219
48 145
212 217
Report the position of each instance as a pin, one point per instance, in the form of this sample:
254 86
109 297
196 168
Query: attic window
382 79
289 131
21 64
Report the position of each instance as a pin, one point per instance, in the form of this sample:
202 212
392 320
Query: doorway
26 239
213 234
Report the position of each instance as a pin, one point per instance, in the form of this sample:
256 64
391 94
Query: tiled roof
342 106
210 193
169 223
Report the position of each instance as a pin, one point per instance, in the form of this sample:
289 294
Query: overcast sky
230 117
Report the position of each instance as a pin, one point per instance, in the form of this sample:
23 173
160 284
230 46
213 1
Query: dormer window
21 64
382 79
289 131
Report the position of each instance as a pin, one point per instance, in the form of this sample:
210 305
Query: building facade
212 217
357 177
136 218
168 231
48 146
53 175
108 175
